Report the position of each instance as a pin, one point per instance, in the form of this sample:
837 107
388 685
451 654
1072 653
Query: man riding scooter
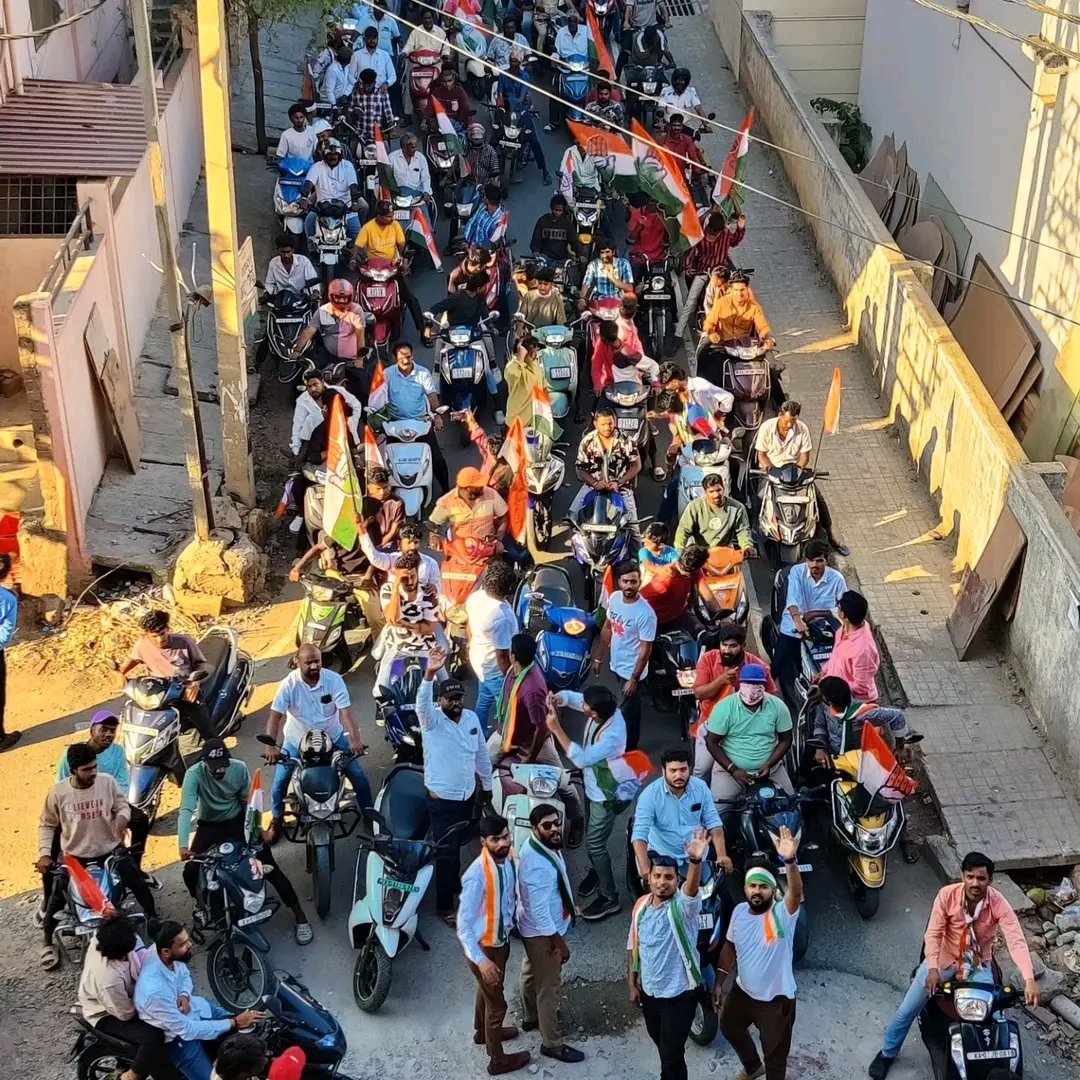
337 328
384 238
734 316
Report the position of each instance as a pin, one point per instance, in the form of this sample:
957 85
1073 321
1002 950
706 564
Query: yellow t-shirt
381 242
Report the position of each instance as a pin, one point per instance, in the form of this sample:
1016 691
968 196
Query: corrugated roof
59 128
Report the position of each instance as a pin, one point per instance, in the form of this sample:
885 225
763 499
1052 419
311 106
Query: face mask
751 694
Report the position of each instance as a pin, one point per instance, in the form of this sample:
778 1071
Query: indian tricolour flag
449 132
419 232
599 53
373 455
543 418
379 393
879 771
728 192
660 176
609 144
382 163
517 499
255 809
341 501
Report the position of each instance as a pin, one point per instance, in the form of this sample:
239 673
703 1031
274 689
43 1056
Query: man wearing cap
471 509
760 943
215 792
748 734
455 753
112 761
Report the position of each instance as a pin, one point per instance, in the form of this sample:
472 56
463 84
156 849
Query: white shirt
379 61
540 908
605 744
499 50
338 81
308 415
335 183
631 624
492 623
413 173
783 451
685 102
300 277
311 708
433 40
429 573
299 144
567 44
472 908
455 753
765 971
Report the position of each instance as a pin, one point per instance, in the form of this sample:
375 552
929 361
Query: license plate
560 373
705 922
630 423
463 373
510 145
403 215
523 823
258 917
682 691
657 296
402 886
375 290
372 182
804 868
988 1055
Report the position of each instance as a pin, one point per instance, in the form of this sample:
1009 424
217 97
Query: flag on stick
728 192
543 418
879 771
255 809
599 53
373 455
382 164
660 176
449 132
341 501
419 232
379 394
621 168
517 499
832 404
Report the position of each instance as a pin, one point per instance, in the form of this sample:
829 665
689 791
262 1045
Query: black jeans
412 304
668 1021
3 689
444 814
194 714
211 833
438 461
631 710
786 663
55 888
150 1058
139 827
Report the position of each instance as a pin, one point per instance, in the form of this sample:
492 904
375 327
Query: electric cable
46 30
1045 9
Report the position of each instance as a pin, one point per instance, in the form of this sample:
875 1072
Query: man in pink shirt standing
855 657
959 943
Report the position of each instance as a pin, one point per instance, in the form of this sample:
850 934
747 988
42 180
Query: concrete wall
821 41
23 262
1013 164
969 459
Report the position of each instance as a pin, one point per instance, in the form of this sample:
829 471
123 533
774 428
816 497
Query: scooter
574 86
967 1034
544 474
150 728
446 169
465 197
394 868
746 373
559 359
464 560
788 519
607 18
656 295
629 402
367 172
463 367
292 175
588 211
601 537
395 710
318 811
231 902
671 678
424 70
286 316
564 633
379 294
328 613
408 459
517 790
704 457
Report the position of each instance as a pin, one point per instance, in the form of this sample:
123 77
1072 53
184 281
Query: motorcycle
331 238
564 633
574 86
424 70
607 18
379 295
292 175
150 728
656 294
463 367
508 126
464 559
395 710
601 537
317 811
588 211
293 1018
231 902
563 269
394 868
286 316
367 173
645 84
446 169
966 1033
788 519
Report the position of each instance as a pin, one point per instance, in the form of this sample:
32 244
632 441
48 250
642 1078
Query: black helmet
680 74
383 207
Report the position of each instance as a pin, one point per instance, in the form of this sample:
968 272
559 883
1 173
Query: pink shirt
946 928
856 660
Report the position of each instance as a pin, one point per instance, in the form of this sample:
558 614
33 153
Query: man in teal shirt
215 793
748 734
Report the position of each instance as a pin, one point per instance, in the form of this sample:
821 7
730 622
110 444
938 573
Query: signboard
245 280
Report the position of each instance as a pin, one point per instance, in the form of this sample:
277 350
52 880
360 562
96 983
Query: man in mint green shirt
215 793
748 734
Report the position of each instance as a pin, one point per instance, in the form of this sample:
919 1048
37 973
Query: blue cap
753 673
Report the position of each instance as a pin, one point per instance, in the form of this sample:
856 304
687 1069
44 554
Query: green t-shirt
727 527
206 798
749 734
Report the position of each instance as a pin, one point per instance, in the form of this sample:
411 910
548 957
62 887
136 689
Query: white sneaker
296 524
500 418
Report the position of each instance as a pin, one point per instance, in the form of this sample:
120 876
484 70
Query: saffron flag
832 404
449 132
879 771
88 888
517 499
255 809
660 176
286 499
382 163
599 53
419 232
341 500
379 394
373 455
728 192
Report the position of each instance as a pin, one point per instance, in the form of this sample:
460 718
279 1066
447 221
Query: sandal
658 474
50 958
450 918
303 933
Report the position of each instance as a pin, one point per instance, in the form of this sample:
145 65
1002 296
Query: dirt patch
599 1008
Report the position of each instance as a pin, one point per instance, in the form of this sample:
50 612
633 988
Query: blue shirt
112 761
486 226
663 973
665 822
667 556
513 92
389 31
603 288
499 50
9 615
810 595
157 991
408 394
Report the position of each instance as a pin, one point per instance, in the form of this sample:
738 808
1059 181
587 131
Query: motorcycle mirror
738 432
266 740
199 676
442 409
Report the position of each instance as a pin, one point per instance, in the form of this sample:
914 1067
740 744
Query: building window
43 13
37 205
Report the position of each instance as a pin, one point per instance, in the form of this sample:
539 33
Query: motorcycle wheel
705 1024
866 900
237 981
101 1063
802 935
371 976
288 371
320 878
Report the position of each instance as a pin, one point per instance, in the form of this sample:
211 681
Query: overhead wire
817 163
748 187
1045 9
46 30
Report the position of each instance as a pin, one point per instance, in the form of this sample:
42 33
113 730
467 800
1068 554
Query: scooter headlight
321 594
685 678
465 209
460 337
972 1004
543 786
574 627
657 284
393 902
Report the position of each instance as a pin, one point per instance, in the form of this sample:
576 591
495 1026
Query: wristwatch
788 862
695 862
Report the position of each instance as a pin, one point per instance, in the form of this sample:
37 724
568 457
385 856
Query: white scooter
394 868
704 457
408 459
516 790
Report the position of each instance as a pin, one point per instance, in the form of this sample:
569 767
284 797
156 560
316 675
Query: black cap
451 688
216 754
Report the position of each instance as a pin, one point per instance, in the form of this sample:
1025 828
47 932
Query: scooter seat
216 647
404 803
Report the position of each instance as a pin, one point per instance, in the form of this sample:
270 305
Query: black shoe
563 1053
601 908
589 884
529 1025
880 1066
9 739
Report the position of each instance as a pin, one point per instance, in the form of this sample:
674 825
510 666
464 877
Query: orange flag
599 47
879 771
88 888
373 456
517 499
832 404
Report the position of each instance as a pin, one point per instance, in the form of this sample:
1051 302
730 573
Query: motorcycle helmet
340 292
680 79
333 146
383 207
477 134
316 748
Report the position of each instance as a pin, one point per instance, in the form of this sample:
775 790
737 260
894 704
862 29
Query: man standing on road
491 623
959 944
454 755
545 912
761 941
9 621
663 966
311 698
485 919
626 642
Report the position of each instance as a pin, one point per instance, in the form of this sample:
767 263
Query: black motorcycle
318 811
396 711
231 902
286 315
656 299
508 129
671 678
645 84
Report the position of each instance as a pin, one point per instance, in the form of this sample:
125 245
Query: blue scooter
600 537
396 710
463 368
564 632
574 86
292 175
